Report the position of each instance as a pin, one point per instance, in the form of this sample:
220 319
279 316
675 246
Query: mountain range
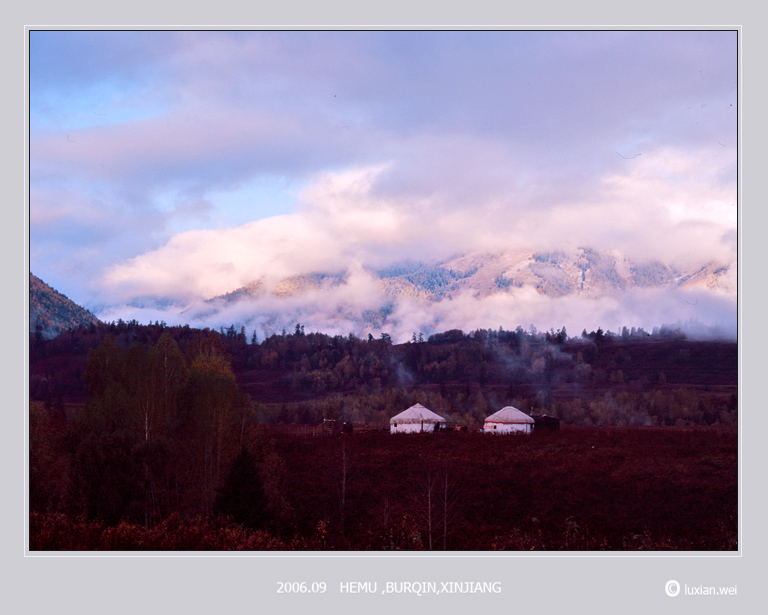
582 272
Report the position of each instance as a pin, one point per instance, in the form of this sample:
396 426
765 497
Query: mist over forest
579 289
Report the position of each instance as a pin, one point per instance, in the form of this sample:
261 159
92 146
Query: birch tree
207 425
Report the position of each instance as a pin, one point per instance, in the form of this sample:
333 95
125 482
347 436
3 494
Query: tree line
459 373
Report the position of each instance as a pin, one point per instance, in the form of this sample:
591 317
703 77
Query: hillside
50 312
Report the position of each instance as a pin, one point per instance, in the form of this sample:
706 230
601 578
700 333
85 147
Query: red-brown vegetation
618 489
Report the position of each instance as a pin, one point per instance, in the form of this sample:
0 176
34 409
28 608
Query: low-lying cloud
359 306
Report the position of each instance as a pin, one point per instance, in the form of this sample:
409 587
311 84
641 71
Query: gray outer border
136 583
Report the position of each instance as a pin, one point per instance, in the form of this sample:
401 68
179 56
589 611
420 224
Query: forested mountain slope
50 312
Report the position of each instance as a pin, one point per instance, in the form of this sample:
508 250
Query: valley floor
583 488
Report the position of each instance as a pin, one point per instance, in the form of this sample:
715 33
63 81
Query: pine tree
242 497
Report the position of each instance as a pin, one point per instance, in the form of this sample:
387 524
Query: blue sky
188 164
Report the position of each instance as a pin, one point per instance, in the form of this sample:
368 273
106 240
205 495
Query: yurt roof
509 414
416 414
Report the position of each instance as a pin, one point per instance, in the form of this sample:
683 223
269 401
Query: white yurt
508 420
415 419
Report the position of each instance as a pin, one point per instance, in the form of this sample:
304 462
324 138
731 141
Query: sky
181 165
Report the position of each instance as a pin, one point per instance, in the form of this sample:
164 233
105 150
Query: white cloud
346 219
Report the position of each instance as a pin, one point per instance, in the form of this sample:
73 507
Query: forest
158 437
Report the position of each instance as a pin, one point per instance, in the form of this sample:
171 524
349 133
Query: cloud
385 145
340 309
353 218
339 227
